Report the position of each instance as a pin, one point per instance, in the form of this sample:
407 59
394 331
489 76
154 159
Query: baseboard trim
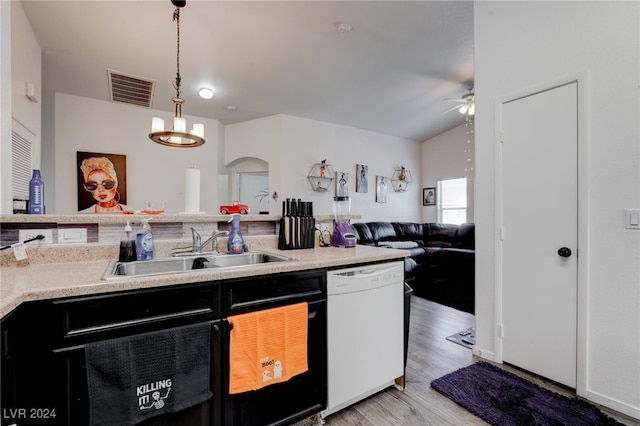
483 353
614 404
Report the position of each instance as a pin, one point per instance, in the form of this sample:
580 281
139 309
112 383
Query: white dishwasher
365 332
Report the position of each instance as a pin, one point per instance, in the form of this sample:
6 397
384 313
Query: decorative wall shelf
321 176
401 179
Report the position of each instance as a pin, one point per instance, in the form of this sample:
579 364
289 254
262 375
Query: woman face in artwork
102 185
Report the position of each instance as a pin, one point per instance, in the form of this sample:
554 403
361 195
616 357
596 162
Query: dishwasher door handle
362 272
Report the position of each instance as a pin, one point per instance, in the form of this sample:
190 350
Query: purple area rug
502 398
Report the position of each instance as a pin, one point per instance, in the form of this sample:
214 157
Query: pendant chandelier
178 135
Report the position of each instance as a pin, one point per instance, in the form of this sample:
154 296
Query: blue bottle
36 194
235 243
144 242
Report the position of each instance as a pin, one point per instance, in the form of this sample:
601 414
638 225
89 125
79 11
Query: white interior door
539 259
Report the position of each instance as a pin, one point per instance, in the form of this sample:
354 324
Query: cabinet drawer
270 290
114 311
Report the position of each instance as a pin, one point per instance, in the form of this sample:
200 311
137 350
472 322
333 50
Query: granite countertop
107 218
55 272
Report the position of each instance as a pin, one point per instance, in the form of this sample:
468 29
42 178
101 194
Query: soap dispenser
235 243
127 245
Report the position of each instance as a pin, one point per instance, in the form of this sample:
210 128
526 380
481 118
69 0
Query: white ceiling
389 75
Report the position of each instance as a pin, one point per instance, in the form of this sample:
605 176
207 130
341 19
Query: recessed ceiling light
231 108
206 93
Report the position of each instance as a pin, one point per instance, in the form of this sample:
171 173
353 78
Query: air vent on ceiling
130 89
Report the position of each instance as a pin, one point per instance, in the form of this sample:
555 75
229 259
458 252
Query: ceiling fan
466 104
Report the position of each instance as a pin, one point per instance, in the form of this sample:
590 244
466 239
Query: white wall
154 172
20 63
26 66
291 145
256 139
521 45
6 205
449 155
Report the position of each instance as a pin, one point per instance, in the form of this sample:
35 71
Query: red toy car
236 207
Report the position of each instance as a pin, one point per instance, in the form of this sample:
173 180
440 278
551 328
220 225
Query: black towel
136 377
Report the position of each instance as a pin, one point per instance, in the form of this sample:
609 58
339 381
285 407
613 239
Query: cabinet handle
138 321
229 324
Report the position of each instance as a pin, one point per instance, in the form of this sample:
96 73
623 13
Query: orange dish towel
267 347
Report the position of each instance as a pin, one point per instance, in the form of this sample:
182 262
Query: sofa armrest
363 234
465 238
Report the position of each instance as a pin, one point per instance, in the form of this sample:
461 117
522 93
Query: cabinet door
283 403
43 356
302 395
7 363
74 388
30 392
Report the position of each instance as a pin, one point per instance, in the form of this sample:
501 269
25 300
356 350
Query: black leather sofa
441 267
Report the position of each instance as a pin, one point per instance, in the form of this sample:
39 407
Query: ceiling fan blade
462 101
451 109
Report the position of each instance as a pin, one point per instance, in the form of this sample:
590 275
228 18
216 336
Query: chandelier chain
176 17
178 136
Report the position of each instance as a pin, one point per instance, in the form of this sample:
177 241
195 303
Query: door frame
582 79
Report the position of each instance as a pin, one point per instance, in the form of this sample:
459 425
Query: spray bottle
235 243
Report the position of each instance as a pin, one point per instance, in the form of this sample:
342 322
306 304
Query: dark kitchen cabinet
44 378
302 395
43 358
7 361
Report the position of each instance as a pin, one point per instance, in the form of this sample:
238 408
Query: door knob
564 252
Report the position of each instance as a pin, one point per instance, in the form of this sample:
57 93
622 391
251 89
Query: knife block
297 232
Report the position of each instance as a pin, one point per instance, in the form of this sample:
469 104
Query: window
452 200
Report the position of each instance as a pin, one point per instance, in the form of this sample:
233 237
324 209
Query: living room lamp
178 135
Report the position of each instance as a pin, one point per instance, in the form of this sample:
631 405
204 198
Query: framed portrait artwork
382 183
102 182
429 196
362 171
342 182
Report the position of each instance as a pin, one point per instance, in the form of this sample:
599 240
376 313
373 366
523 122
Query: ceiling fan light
472 109
463 109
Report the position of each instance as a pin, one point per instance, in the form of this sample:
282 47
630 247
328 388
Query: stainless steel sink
251 258
168 265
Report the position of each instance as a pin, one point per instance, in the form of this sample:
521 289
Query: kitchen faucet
198 245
